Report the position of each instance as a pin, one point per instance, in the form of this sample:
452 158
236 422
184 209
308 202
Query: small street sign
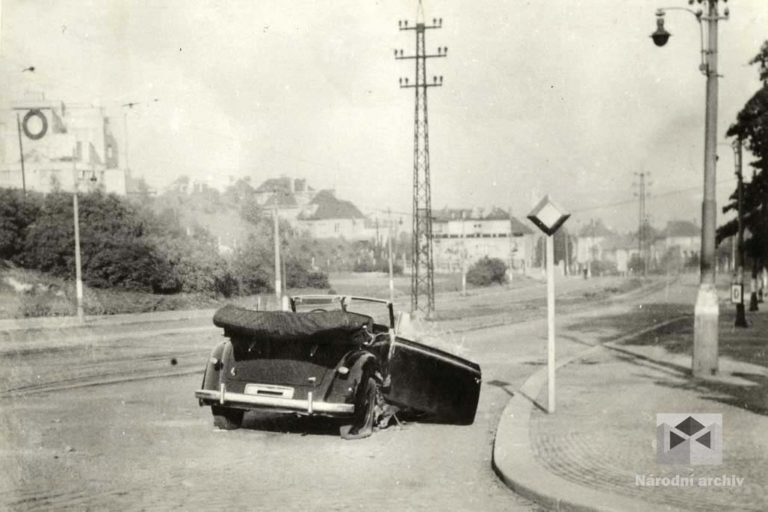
737 291
548 216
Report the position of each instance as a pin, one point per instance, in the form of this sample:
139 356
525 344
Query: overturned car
337 360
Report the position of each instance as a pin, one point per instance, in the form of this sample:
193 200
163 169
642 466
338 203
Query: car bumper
309 406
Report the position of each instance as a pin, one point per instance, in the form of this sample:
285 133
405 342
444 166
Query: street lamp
706 313
660 36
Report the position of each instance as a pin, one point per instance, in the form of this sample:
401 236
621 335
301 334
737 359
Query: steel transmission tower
422 268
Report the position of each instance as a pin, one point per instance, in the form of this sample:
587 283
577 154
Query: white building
58 144
469 235
328 217
590 242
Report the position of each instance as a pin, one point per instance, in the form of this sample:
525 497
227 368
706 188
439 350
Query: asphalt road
106 421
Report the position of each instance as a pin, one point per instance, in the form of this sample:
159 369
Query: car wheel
365 412
227 419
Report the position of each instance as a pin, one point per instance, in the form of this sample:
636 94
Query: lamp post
276 233
706 313
76 221
741 319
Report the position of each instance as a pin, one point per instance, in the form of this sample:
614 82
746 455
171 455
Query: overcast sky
569 98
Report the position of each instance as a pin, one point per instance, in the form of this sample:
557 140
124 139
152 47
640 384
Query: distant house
590 242
328 217
291 196
466 235
682 236
620 249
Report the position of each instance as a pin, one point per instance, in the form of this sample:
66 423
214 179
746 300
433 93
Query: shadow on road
289 424
744 389
644 315
501 385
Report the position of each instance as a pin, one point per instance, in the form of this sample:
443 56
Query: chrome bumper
289 404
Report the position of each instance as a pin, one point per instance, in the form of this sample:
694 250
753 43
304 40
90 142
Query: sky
569 98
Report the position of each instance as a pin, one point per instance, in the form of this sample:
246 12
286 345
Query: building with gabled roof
462 236
682 236
289 195
590 241
326 216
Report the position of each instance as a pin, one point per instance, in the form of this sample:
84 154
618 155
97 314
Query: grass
26 293
44 295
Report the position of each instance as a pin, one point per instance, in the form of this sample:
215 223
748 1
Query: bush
606 268
297 276
487 271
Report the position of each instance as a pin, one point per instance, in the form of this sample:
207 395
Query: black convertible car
337 360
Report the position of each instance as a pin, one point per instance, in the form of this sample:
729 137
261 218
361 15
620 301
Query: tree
16 214
751 127
114 247
242 196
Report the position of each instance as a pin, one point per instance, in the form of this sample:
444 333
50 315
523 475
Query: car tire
227 419
364 418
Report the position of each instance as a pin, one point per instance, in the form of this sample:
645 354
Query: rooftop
682 228
329 207
595 229
449 214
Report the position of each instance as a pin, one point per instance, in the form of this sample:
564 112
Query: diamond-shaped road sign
548 216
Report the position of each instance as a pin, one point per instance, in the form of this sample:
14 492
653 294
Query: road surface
107 420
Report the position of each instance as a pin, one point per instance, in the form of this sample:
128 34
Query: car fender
212 374
360 364
365 363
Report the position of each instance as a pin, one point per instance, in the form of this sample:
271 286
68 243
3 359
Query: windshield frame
343 301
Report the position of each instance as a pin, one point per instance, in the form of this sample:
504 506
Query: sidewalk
597 449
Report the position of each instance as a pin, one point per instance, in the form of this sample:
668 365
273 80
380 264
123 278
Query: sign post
549 217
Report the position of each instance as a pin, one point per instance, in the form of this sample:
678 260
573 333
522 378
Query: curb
514 462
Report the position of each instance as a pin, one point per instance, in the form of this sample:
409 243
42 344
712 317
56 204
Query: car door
430 380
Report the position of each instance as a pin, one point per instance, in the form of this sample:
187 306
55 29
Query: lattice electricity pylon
422 267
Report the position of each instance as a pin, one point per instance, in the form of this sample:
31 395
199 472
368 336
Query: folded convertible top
334 325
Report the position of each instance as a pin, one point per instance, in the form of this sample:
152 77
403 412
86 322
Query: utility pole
463 256
707 310
21 156
76 221
278 283
422 271
389 251
643 244
741 318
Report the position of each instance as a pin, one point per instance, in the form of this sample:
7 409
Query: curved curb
514 462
